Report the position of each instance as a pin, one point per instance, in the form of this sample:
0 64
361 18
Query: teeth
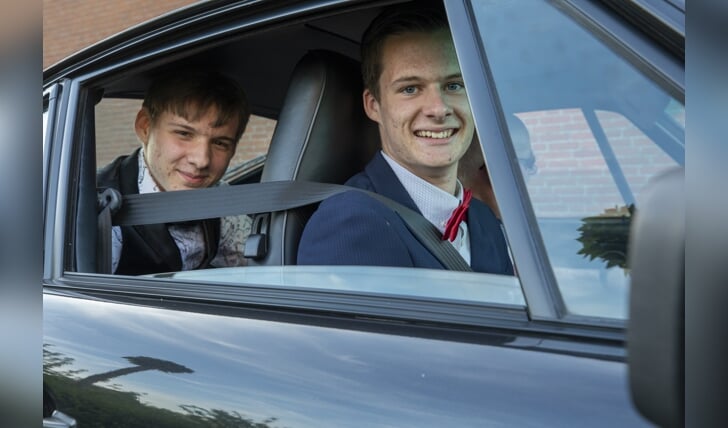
429 134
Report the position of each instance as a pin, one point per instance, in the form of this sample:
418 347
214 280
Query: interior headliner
262 61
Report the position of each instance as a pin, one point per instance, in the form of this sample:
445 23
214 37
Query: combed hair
415 17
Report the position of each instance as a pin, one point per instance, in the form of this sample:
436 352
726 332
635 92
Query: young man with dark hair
414 90
189 126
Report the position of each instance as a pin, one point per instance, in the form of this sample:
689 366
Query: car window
45 154
115 133
598 131
115 136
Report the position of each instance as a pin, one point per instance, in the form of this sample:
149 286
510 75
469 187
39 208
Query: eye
454 86
223 144
183 133
409 90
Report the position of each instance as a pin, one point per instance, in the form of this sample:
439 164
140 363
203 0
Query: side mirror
656 330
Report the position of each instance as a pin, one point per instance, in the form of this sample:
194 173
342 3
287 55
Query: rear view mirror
656 331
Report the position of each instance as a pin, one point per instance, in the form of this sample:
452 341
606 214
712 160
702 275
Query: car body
600 87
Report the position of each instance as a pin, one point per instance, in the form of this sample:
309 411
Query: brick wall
573 178
70 25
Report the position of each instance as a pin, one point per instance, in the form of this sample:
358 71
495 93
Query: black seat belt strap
108 202
256 198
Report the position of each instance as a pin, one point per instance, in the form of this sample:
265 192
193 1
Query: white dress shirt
435 204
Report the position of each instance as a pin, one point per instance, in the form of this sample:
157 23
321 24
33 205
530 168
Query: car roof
238 54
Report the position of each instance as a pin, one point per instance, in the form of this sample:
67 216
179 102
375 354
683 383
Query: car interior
322 135
311 86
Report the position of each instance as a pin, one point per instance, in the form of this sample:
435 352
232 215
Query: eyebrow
193 129
410 79
181 125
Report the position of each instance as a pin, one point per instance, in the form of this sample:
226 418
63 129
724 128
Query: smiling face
186 154
423 113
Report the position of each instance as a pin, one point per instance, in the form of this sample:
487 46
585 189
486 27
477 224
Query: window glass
45 119
596 129
45 155
115 134
441 284
49 100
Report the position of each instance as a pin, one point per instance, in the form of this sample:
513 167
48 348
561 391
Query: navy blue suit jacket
354 229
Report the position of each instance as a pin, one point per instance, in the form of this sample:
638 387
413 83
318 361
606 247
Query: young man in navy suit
414 90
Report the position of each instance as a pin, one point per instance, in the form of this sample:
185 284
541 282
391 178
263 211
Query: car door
272 346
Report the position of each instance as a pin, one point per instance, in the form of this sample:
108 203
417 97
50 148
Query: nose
198 154
436 105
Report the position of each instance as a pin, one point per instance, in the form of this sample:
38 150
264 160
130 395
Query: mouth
437 135
192 178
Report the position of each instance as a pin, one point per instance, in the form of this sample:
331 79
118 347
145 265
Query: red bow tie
457 216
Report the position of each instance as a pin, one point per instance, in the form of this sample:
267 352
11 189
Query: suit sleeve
353 229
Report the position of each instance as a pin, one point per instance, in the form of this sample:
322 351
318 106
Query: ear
143 125
371 106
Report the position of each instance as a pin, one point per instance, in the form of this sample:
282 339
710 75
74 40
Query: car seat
322 135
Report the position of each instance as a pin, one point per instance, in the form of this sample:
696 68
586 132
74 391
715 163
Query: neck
444 178
149 171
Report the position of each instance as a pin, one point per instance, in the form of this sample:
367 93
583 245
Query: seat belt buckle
256 245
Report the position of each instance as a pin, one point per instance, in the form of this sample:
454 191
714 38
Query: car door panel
106 361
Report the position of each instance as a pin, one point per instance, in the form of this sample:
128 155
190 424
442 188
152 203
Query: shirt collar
145 182
435 204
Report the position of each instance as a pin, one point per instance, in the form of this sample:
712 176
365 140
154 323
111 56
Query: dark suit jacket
354 229
148 248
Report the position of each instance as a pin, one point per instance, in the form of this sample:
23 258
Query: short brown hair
180 91
415 17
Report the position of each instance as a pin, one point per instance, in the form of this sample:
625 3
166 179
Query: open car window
109 102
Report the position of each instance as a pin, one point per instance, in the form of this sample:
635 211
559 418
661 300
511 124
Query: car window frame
542 293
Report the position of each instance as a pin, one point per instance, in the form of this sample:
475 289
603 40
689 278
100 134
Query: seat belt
108 202
257 198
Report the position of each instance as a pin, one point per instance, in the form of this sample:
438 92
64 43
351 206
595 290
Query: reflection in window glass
676 111
45 119
45 154
597 131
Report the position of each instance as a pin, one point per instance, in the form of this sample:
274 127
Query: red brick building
71 25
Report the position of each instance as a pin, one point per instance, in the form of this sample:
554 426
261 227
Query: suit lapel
129 175
386 183
155 236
